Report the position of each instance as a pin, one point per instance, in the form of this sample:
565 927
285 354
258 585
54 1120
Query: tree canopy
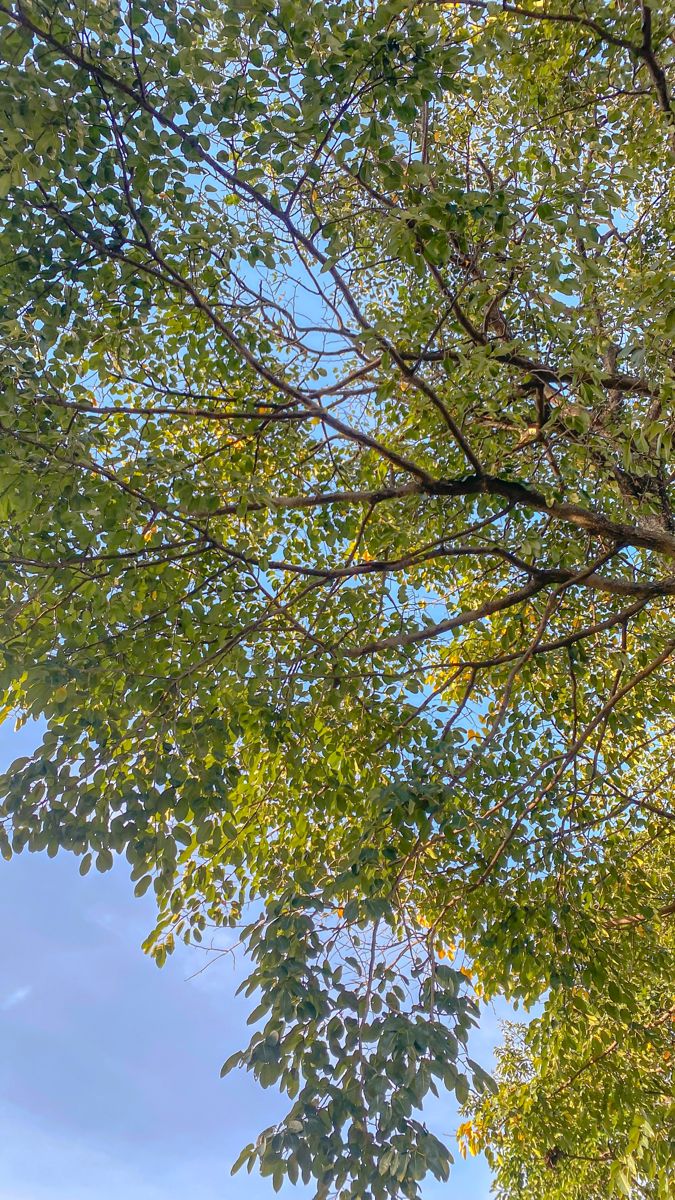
337 348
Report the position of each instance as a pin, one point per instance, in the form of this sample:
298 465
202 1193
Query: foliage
337 347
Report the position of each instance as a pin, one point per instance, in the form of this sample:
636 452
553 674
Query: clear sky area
109 1067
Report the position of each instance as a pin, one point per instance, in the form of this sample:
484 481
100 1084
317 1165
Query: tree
338 358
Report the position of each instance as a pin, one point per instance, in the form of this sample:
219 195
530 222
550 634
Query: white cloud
16 997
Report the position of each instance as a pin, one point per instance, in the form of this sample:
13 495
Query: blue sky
109 1068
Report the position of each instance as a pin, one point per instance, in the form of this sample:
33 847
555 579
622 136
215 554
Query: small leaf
230 1063
244 1157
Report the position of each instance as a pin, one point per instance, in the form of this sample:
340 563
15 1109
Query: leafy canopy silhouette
337 347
